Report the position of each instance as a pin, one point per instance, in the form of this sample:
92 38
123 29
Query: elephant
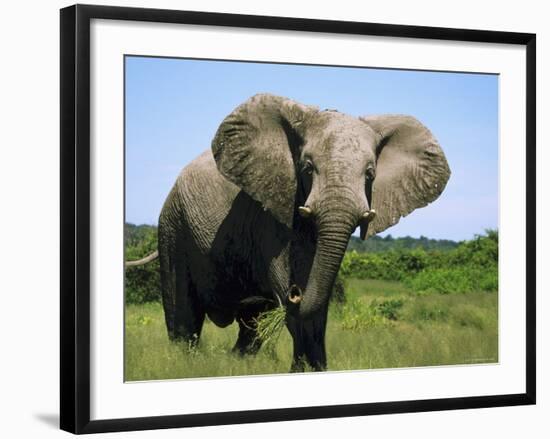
263 219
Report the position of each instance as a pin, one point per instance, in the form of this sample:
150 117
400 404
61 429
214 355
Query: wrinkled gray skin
231 241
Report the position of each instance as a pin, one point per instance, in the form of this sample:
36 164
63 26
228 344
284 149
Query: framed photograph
274 218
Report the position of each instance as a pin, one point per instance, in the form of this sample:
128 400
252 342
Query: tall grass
403 329
149 355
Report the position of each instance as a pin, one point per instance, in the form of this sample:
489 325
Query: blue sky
174 106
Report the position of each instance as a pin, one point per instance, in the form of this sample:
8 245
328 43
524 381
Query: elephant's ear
256 148
411 169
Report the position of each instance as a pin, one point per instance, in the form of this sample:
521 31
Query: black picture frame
75 217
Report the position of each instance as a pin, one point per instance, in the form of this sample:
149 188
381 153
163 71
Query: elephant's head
336 171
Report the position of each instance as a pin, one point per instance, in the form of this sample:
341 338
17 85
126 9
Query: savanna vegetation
402 302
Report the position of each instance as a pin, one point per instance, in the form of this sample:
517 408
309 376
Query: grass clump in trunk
269 325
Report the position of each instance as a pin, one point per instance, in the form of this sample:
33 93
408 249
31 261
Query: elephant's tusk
304 211
366 218
295 295
369 215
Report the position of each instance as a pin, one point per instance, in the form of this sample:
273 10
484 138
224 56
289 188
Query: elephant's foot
298 365
248 349
302 364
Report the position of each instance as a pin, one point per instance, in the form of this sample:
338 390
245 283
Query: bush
356 315
454 280
472 266
482 251
371 266
142 282
389 308
139 241
392 265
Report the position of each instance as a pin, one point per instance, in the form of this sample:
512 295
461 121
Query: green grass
149 355
374 287
382 325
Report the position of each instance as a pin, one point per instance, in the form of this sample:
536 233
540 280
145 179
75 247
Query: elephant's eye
370 174
308 167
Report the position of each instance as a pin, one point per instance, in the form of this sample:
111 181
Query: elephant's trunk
336 220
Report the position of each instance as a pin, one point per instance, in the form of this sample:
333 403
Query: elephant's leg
309 342
188 313
183 312
167 283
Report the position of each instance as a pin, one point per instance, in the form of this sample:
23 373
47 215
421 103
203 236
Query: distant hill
377 244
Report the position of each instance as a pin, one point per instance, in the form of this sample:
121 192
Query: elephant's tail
143 261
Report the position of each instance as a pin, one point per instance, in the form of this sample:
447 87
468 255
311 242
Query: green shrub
142 282
472 266
482 251
139 241
412 261
389 308
371 266
356 315
454 280
391 265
